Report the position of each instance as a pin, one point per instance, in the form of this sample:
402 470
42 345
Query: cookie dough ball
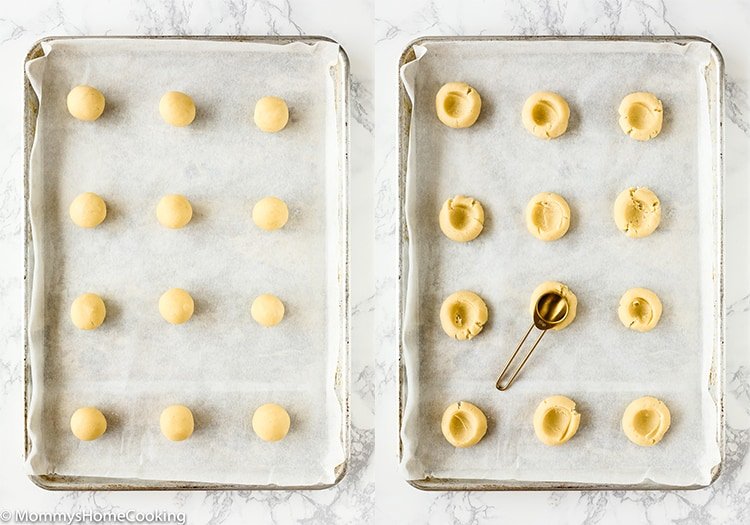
545 115
560 289
174 211
640 309
176 306
88 311
462 218
645 421
556 420
463 315
88 210
463 424
88 423
637 212
547 216
271 422
177 108
270 213
85 103
271 114
458 105
267 310
177 423
641 115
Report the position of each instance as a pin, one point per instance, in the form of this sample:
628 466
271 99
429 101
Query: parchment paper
596 361
221 363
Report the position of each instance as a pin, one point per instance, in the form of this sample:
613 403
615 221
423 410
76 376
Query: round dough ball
556 420
545 115
88 311
177 423
547 216
177 108
463 315
462 218
88 210
271 422
458 105
88 423
641 115
176 306
561 289
270 213
267 310
645 421
463 424
640 309
85 103
637 212
174 211
271 114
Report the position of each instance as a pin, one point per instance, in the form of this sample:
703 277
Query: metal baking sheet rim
342 380
717 372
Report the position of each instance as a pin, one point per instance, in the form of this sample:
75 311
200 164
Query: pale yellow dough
88 423
640 309
463 424
271 422
174 211
645 421
458 105
177 423
177 108
267 310
564 291
462 218
547 216
88 210
556 420
270 213
545 115
88 311
641 115
176 306
637 212
85 103
463 315
271 114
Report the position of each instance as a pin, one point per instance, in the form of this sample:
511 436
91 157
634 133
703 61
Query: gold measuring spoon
551 309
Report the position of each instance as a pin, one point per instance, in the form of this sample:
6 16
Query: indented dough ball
463 424
556 420
85 103
177 108
176 306
646 421
271 114
88 210
545 115
174 211
88 423
547 216
463 314
88 311
458 105
267 310
641 115
177 423
640 309
271 422
270 213
462 218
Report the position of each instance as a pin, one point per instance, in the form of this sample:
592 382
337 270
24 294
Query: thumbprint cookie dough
85 103
645 421
88 423
174 211
463 315
176 306
177 423
271 422
177 109
271 114
88 210
88 311
562 290
637 212
640 309
462 218
458 105
463 424
547 216
267 310
556 420
270 213
641 115
545 115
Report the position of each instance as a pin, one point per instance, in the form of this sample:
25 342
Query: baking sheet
595 361
221 363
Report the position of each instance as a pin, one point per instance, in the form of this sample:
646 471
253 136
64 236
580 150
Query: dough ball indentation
267 310
177 108
463 314
176 306
548 216
637 212
85 103
177 423
640 309
88 210
270 213
88 423
271 114
556 420
463 424
88 311
641 115
545 115
462 218
562 290
646 421
458 105
174 211
271 422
